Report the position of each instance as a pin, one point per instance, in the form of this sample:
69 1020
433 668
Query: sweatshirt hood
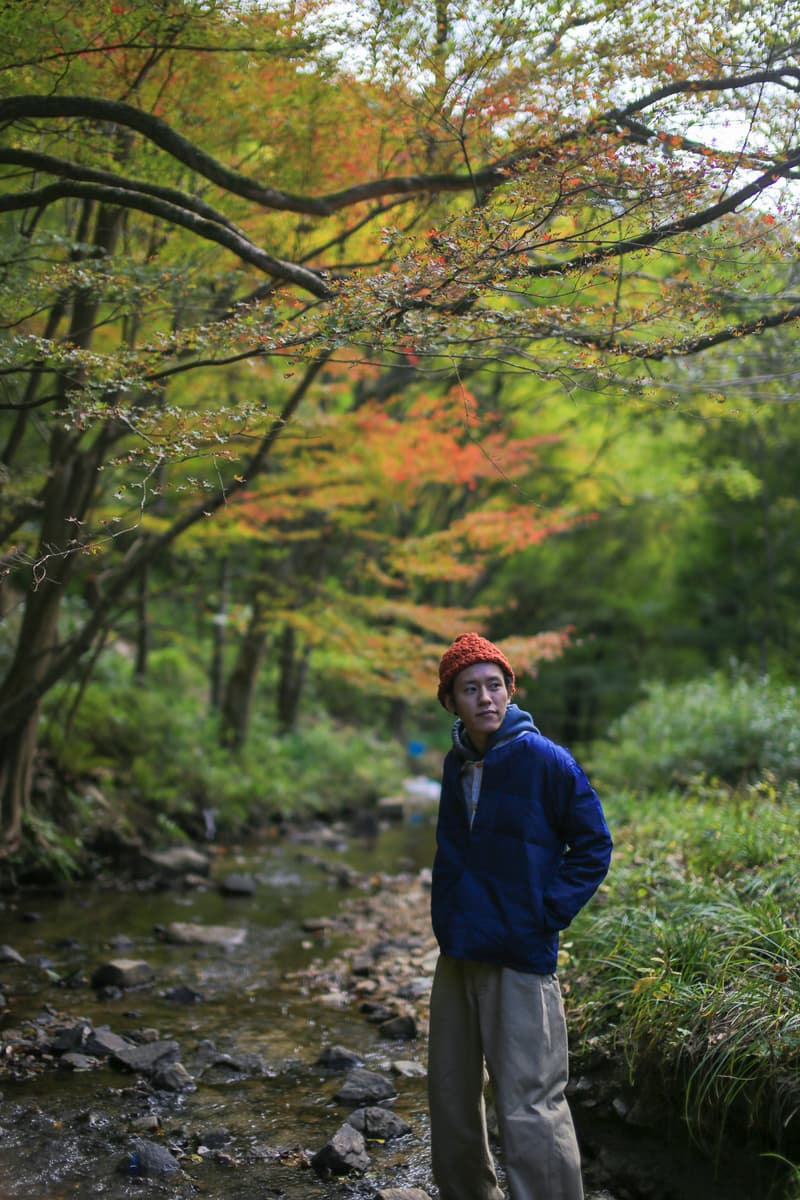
515 722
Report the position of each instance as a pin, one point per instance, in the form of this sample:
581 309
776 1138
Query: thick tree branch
69 170
223 235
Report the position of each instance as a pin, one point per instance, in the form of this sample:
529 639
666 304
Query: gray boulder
365 1087
172 1077
378 1124
149 1158
338 1058
147 1057
122 973
184 933
344 1153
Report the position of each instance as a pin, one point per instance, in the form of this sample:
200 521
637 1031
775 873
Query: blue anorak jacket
537 850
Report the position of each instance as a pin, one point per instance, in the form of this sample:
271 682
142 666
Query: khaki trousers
514 1024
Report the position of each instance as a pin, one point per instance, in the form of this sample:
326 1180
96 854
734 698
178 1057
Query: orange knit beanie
466 650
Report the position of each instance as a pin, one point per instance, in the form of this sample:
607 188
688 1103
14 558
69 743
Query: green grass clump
689 963
732 727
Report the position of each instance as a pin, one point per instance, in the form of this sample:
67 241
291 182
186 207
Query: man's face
480 698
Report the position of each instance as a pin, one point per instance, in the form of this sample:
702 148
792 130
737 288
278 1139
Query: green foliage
729 726
156 752
691 957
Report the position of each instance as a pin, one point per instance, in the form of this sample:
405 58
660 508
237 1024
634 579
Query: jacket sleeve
579 820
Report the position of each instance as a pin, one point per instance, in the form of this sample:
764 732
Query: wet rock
180 860
378 1124
149 1123
183 995
214 1139
103 1042
66 1038
82 1037
74 979
184 933
415 989
121 941
317 924
173 1077
338 1058
237 884
147 1058
9 955
375 1012
365 1087
122 973
147 1158
71 1061
226 1063
402 1194
344 1153
399 1028
362 965
408 1068
334 999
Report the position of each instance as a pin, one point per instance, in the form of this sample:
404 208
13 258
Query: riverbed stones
104 1042
148 1057
338 1058
401 1028
9 955
122 973
378 1124
365 1087
402 1194
185 933
178 860
344 1153
408 1068
172 1077
237 883
182 994
146 1158
232 1063
71 1061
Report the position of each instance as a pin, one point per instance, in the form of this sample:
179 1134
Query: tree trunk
216 684
292 671
237 701
142 626
66 498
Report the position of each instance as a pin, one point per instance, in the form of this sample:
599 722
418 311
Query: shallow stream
64 1134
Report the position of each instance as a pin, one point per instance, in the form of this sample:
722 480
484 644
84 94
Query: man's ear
449 705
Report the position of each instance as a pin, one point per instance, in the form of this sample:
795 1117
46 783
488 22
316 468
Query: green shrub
732 728
154 748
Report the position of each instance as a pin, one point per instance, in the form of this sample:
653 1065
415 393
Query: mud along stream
321 944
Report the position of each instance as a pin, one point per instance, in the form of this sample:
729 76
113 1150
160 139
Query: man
522 844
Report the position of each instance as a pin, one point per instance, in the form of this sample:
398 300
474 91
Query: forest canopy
373 321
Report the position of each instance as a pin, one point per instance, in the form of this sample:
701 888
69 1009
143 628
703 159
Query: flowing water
64 1134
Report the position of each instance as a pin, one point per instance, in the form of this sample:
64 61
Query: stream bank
328 973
